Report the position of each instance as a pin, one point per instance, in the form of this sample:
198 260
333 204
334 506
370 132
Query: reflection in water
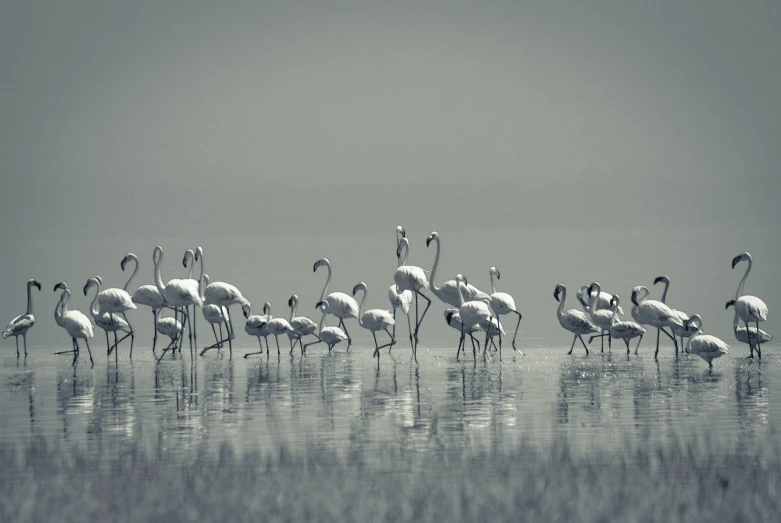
340 401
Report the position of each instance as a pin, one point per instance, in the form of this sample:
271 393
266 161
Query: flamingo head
61 286
449 315
729 304
293 300
494 271
460 278
129 256
403 243
360 287
696 318
246 309
322 304
35 283
662 279
320 262
198 253
558 290
92 281
596 286
188 255
740 257
614 302
267 308
400 232
157 255
431 237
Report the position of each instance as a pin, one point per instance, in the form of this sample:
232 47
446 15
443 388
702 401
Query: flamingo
302 326
24 322
655 314
374 320
328 335
749 308
603 300
337 303
678 331
705 346
748 335
624 330
453 319
177 293
213 314
277 327
109 322
188 261
412 279
256 325
147 295
224 295
75 323
600 317
502 303
475 313
449 291
117 301
401 300
172 328
575 321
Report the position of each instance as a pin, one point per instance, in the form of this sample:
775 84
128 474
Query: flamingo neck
735 323
201 280
158 278
561 302
360 307
58 309
93 308
581 299
432 285
66 300
293 310
403 257
29 298
133 274
614 317
327 282
322 322
459 282
592 299
742 283
664 293
493 285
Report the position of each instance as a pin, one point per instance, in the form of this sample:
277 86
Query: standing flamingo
374 320
302 326
748 335
75 323
401 300
117 301
449 290
24 322
172 328
213 314
600 317
749 308
412 279
256 325
224 295
177 293
337 303
147 295
328 335
655 314
453 319
624 330
475 313
682 316
108 321
575 321
502 303
705 346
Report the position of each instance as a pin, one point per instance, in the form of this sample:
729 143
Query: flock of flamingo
470 311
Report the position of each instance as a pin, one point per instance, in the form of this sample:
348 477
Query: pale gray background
560 141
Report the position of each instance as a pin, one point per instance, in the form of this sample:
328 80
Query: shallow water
341 401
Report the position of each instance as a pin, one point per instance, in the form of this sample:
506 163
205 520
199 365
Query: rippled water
342 401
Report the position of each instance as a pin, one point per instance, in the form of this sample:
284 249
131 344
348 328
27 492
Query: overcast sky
126 124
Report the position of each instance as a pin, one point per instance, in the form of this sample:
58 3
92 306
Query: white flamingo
624 330
705 346
374 320
654 313
109 322
75 323
573 320
603 301
401 300
188 261
177 293
328 335
600 317
172 328
475 313
453 319
502 303
117 301
337 303
212 313
748 335
224 295
682 316
413 279
749 308
276 327
449 291
256 325
302 326
147 295
24 322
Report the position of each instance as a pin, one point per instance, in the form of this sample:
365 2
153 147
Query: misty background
560 141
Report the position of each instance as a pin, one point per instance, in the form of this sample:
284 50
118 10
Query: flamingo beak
735 261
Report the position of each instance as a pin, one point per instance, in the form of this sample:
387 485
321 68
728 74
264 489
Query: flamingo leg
319 340
420 321
520 316
344 328
657 343
627 345
154 326
602 342
24 338
114 328
108 347
460 341
759 340
86 341
409 328
584 343
390 343
132 334
638 343
572 347
17 345
376 350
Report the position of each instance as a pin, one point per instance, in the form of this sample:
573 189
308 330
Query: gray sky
558 140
